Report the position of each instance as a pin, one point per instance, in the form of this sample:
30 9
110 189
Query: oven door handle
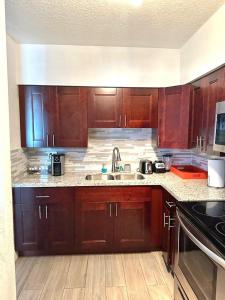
219 260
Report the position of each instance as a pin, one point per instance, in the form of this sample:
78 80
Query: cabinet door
70 118
28 217
166 236
215 94
34 116
104 108
174 115
58 212
132 225
140 108
95 227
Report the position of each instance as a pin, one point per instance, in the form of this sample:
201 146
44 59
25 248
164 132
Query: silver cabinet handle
46 196
125 120
46 212
47 139
158 140
197 146
39 211
116 210
170 204
53 139
217 259
164 220
170 222
120 121
110 209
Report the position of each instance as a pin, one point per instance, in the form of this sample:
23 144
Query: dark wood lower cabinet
168 232
67 220
44 220
115 219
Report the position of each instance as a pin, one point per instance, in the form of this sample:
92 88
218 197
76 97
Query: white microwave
219 133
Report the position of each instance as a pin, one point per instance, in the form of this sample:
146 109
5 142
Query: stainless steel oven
199 266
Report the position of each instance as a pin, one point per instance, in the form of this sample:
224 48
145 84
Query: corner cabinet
53 116
174 117
44 220
123 108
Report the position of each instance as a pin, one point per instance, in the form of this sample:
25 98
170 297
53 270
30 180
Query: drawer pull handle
42 196
39 211
46 212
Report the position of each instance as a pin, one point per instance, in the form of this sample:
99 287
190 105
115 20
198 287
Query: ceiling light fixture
136 2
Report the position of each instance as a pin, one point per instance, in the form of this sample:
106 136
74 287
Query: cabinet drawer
43 194
114 194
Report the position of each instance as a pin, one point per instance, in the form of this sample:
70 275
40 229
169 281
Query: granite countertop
182 190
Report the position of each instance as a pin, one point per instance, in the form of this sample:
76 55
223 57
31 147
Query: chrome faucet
115 158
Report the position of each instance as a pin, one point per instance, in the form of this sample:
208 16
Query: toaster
159 166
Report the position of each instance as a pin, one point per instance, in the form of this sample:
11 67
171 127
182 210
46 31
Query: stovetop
209 217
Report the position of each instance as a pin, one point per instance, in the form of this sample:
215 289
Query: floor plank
136 287
159 292
77 272
152 273
30 295
73 294
39 273
53 289
24 266
114 271
95 280
116 293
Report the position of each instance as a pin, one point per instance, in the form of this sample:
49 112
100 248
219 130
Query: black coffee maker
57 164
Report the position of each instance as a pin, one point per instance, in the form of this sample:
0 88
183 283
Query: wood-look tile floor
138 276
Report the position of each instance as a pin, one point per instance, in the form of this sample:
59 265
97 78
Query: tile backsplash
134 144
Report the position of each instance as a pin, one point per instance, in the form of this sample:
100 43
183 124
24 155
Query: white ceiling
156 23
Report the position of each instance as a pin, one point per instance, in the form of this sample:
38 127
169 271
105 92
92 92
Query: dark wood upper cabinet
53 116
105 108
123 108
174 117
35 115
140 107
70 122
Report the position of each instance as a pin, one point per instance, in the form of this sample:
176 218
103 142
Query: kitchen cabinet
168 232
140 107
70 117
35 116
53 116
113 219
105 108
44 220
207 92
123 108
174 117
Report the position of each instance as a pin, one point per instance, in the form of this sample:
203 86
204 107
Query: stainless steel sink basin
99 177
129 177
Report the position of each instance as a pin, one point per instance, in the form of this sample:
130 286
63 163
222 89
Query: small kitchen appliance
216 173
57 164
159 166
167 159
145 166
219 130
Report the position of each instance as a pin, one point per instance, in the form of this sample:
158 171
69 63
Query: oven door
199 267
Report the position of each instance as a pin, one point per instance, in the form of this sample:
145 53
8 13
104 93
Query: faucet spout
115 158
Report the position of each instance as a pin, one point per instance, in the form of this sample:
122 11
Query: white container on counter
216 173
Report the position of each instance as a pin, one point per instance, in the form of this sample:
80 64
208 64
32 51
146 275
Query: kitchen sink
129 177
115 177
99 177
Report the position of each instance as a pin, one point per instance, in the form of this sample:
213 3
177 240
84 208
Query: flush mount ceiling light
136 2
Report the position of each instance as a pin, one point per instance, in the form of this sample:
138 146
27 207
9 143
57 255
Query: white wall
12 51
104 66
205 50
7 264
